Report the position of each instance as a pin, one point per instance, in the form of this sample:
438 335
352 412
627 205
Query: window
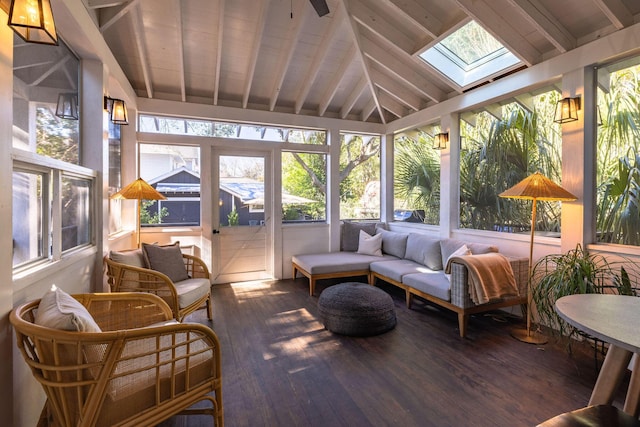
29 218
470 55
188 126
416 177
46 227
173 170
501 149
42 78
359 176
304 187
618 154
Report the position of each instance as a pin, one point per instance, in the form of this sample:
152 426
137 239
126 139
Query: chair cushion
133 258
59 310
192 290
167 260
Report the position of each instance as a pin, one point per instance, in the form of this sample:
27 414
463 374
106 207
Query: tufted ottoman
356 309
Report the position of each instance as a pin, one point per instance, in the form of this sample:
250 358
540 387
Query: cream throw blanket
490 276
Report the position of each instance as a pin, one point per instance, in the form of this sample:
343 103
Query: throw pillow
350 234
449 246
461 251
59 310
133 258
370 245
166 260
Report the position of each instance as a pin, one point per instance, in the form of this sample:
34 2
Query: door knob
216 231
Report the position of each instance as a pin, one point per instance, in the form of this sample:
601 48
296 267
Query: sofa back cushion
350 235
424 250
449 246
393 243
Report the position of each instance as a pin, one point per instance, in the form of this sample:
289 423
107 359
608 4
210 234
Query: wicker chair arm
195 266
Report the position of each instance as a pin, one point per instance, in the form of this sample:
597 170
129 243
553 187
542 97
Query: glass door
241 234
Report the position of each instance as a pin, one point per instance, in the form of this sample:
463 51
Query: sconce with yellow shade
33 21
117 110
440 141
567 110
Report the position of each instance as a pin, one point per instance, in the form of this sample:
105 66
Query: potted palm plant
576 272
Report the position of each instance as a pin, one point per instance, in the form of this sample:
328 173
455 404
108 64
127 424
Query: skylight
470 55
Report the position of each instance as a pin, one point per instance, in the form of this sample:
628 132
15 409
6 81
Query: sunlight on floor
253 289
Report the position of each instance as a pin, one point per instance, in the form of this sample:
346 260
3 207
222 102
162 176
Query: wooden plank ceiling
359 62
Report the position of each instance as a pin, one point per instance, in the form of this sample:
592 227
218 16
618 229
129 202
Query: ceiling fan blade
320 6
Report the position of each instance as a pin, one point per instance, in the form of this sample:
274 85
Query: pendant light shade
33 21
67 107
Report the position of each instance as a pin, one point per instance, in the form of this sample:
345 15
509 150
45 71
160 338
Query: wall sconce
117 110
33 21
440 141
67 107
567 110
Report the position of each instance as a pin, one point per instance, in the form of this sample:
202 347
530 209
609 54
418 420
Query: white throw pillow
370 245
461 251
59 310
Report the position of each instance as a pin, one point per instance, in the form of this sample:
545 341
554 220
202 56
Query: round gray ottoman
356 309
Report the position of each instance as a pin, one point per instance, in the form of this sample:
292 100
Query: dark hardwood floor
282 368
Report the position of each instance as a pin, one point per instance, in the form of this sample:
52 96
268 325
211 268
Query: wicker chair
183 297
143 368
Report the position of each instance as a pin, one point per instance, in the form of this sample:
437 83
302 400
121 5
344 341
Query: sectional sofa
466 278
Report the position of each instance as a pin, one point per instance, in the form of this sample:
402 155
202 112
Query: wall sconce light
33 21
67 107
567 110
440 141
117 110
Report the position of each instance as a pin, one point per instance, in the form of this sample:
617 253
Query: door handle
216 231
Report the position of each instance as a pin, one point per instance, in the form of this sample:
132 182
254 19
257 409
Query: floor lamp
138 190
535 187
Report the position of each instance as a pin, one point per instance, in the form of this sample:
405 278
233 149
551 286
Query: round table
613 319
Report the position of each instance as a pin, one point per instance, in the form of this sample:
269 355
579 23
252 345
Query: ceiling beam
180 42
119 14
391 105
368 110
359 52
255 51
616 12
58 65
220 37
318 59
381 26
396 90
331 89
544 21
353 98
413 11
501 29
401 70
287 56
138 26
99 4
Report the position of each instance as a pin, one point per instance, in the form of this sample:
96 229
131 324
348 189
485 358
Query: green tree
146 215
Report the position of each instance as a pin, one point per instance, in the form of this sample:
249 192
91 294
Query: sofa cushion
369 245
481 248
434 283
461 251
350 234
59 310
335 262
397 268
167 260
393 243
425 250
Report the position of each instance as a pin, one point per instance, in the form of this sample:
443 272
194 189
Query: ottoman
356 309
